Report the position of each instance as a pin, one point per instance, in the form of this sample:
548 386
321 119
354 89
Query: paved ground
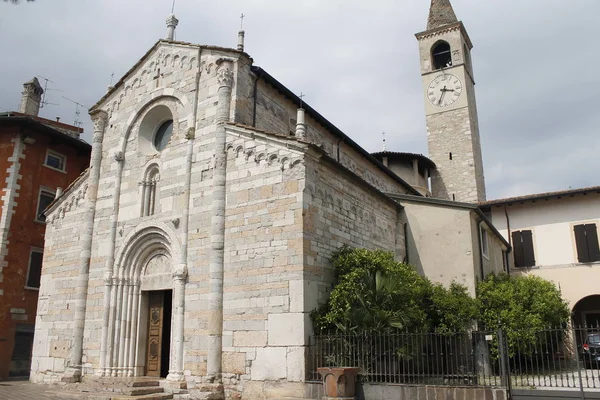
23 390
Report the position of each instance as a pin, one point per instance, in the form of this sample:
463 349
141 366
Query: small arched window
149 190
441 55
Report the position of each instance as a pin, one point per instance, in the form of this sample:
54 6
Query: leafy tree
373 292
523 306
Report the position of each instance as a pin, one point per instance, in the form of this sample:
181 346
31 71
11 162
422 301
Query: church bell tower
450 107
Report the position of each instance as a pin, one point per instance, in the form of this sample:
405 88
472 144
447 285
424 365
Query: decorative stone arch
182 111
148 260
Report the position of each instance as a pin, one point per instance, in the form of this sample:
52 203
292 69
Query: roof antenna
173 8
384 145
44 102
77 123
241 34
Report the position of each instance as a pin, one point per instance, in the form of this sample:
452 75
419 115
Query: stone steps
116 389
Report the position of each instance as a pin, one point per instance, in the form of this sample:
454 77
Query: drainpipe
509 239
217 233
73 373
479 225
180 273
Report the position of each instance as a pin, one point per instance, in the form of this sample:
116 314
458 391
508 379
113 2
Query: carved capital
99 118
119 156
225 73
108 278
180 273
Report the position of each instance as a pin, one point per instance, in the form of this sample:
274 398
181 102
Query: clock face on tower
444 90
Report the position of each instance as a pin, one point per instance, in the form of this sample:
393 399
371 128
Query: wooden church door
159 324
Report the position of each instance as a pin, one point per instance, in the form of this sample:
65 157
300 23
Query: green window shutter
581 243
518 249
528 256
591 235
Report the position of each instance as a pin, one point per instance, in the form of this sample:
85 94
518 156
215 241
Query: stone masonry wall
341 210
54 321
276 113
455 179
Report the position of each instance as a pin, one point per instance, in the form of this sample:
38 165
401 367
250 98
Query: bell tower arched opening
441 55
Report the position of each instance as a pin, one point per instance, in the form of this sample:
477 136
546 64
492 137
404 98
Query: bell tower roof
440 13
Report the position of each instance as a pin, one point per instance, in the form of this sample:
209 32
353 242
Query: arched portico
586 312
139 325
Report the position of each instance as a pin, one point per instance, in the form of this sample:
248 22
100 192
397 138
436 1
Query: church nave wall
340 209
54 321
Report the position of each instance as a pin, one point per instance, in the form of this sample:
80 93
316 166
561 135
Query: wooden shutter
592 242
528 256
518 249
581 243
35 269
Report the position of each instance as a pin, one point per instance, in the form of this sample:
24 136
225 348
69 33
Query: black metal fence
567 358
456 359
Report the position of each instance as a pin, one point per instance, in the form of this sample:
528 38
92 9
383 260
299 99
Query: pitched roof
453 204
405 156
67 132
440 13
540 196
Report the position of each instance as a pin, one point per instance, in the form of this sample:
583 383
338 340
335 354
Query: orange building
38 157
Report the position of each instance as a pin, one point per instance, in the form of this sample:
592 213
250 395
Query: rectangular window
46 197
55 160
523 249
35 269
485 250
586 241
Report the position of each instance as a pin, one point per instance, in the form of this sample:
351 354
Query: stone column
73 372
108 269
179 277
217 234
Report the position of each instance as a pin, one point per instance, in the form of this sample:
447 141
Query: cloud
357 61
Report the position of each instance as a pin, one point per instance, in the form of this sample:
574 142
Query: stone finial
300 125
241 36
32 97
440 13
172 23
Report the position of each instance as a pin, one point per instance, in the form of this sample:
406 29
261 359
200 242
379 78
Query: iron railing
456 359
567 358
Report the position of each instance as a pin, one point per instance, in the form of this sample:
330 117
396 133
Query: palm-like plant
376 305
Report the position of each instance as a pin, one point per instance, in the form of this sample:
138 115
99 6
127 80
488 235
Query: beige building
554 236
197 243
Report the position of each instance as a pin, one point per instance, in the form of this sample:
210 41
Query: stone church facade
197 243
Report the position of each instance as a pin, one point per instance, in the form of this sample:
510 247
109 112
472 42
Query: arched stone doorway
139 324
586 312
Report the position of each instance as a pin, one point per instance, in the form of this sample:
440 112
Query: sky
538 92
